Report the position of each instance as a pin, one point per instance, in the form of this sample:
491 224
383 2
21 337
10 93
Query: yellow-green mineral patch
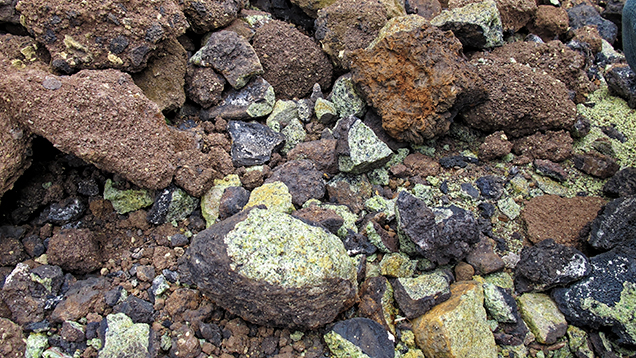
623 312
425 285
210 201
342 348
274 195
279 249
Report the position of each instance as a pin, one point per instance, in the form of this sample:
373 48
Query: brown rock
12 341
325 217
17 295
549 22
596 164
464 271
11 250
302 179
292 61
515 14
495 146
553 146
83 297
23 52
184 343
164 258
321 152
415 78
561 219
427 9
589 34
181 300
207 15
421 165
376 302
102 34
521 100
13 153
75 250
204 86
483 257
197 170
100 116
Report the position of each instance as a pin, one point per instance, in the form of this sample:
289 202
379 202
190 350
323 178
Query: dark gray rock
417 295
8 12
204 86
171 204
621 184
548 265
629 32
441 234
302 179
369 336
138 310
88 187
457 161
621 81
357 244
33 245
583 15
606 297
66 211
253 143
326 218
550 169
596 164
232 201
469 189
615 224
206 15
490 186
252 101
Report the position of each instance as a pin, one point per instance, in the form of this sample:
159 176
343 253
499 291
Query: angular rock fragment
262 265
549 22
621 184
496 145
543 317
377 303
207 15
614 224
210 201
203 85
585 14
24 306
171 204
125 201
596 164
366 150
253 143
483 257
302 179
359 337
75 250
621 82
417 295
13 152
476 25
274 195
232 201
551 145
550 169
500 304
254 100
12 343
123 338
82 297
346 99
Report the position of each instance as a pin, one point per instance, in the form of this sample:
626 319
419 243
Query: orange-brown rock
549 22
414 76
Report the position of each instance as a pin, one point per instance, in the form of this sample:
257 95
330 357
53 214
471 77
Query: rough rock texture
614 224
162 81
515 14
495 146
548 265
483 257
75 250
311 7
338 31
427 9
441 234
359 337
254 100
365 150
585 14
23 52
120 37
12 343
203 85
621 184
8 13
123 338
17 292
13 152
555 58
543 317
328 218
321 152
476 25
275 196
376 302
207 15
561 219
292 61
457 328
417 295
549 22
302 179
196 170
82 297
596 164
606 297
553 146
100 116
253 143
621 82
541 103
414 77
262 266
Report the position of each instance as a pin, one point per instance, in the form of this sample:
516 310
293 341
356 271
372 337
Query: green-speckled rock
416 296
123 338
379 176
282 114
125 201
500 304
550 186
520 185
457 328
272 269
359 338
477 25
275 196
500 279
294 133
181 206
366 150
509 208
381 204
377 303
210 201
578 342
543 317
346 99
35 345
343 211
397 265
325 110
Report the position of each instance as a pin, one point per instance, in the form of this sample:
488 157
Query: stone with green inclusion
274 196
397 265
342 348
500 279
381 204
125 201
379 176
578 342
509 207
366 150
543 317
550 186
181 205
483 16
622 312
346 214
279 249
499 308
417 295
520 185
294 133
35 345
283 113
124 338
325 110
212 198
264 107
346 99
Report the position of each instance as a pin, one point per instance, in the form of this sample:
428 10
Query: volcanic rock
207 15
495 146
584 14
549 22
8 12
366 150
596 164
483 257
621 82
376 301
171 204
553 146
550 169
427 9
476 25
75 250
614 224
515 14
123 338
346 99
500 304
417 99
197 170
253 143
254 100
416 296
203 85
358 336
621 184
138 310
327 218
543 317
22 52
302 179
17 295
421 165
82 297
321 152
10 246
232 201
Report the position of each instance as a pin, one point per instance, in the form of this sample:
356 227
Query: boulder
207 15
418 98
614 224
263 265
476 25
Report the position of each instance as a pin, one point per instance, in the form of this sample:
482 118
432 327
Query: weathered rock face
23 52
11 339
549 22
82 297
122 37
207 15
541 102
292 61
542 317
8 13
272 269
203 85
100 116
515 14
476 25
615 224
253 143
123 338
359 337
13 156
416 296
585 14
302 179
414 77
311 7
621 184
254 100
75 250
554 146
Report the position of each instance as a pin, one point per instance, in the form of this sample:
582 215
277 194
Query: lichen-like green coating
263 108
483 14
509 207
274 195
125 338
342 348
125 201
365 150
397 265
211 199
35 345
425 285
294 133
181 206
623 311
346 99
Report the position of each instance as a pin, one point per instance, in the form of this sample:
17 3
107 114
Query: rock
33 246
311 7
614 224
185 343
88 125
549 22
427 9
416 296
35 345
321 152
274 195
621 184
596 164
421 165
326 111
547 265
436 69
543 317
122 337
230 55
302 179
440 234
125 201
359 337
282 115
327 218
10 246
579 342
197 170
366 150
163 80
83 297
294 133
70 209
211 200
627 29
232 201
561 219
8 12
171 204
13 152
203 85
72 332
205 15
496 145
583 15
457 327
254 100
349 190
553 146
337 30
376 302
490 187
62 27
292 61
270 260
397 265
483 257
12 343
464 271
138 310
550 169
621 82
500 304
22 52
24 307
346 99
509 207
253 143
534 94
358 244
476 25
75 250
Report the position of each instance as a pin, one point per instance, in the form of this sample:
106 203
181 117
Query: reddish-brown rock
12 343
589 34
421 165
23 52
521 100
207 15
13 152
549 22
415 78
74 250
553 146
515 14
561 219
321 152
495 146
84 297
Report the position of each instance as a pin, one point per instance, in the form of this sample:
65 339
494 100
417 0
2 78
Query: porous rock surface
207 15
15 142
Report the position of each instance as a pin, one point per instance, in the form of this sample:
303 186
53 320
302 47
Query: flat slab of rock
543 317
416 296
273 269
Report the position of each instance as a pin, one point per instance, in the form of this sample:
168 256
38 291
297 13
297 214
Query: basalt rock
208 15
13 152
614 225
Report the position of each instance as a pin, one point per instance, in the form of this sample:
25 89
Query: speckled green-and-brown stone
125 201
125 338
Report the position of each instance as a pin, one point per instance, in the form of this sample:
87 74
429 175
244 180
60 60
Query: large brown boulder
13 152
415 78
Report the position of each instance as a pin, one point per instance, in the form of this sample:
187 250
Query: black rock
550 169
372 339
171 276
444 187
356 244
33 245
236 104
68 210
302 179
615 224
470 190
91 330
583 15
113 296
38 327
179 240
622 183
432 289
621 82
52 279
88 187
459 161
581 127
490 186
138 310
159 210
548 265
253 143
212 333
487 209
614 133
629 35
